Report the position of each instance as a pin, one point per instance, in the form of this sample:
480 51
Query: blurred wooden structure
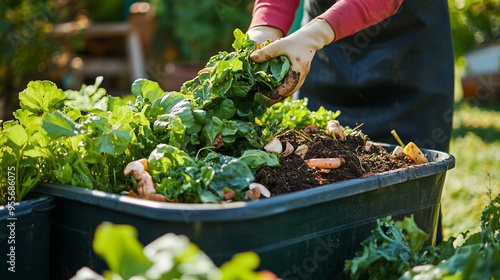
112 50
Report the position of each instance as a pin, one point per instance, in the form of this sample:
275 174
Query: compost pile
294 174
207 143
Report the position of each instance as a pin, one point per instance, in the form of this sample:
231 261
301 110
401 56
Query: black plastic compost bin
25 239
302 235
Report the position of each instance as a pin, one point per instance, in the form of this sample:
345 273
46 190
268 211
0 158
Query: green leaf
182 110
416 237
164 104
118 246
231 173
386 253
241 266
72 113
242 41
113 102
177 133
16 136
239 89
229 128
224 109
58 124
211 130
90 98
116 140
256 159
207 196
279 67
64 173
121 114
222 79
36 151
81 177
149 90
32 122
179 176
166 156
40 96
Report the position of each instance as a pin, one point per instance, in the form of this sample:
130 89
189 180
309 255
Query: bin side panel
29 235
291 244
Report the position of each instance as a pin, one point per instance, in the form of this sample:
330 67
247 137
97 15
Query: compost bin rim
35 202
247 210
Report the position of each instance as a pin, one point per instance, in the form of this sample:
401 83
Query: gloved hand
300 48
260 34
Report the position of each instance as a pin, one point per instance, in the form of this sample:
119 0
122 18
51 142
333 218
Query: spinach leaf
40 97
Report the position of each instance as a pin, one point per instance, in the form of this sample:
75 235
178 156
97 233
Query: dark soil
294 174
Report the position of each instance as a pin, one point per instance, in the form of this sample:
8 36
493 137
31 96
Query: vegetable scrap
410 150
325 163
335 130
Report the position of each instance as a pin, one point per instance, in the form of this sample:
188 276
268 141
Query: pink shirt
345 16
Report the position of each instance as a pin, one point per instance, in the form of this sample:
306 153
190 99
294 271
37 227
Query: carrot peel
325 163
206 70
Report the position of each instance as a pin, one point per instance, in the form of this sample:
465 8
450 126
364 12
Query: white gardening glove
300 48
260 34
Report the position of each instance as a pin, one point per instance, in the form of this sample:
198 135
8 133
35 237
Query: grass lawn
475 144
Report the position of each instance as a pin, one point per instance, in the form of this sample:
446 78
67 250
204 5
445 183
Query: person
386 64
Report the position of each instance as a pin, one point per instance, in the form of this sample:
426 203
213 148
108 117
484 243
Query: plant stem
393 132
18 160
303 135
204 148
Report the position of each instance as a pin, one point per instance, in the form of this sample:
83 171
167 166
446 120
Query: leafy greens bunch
295 114
201 141
394 251
64 146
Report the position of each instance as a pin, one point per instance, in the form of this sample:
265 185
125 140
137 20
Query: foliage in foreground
394 251
170 256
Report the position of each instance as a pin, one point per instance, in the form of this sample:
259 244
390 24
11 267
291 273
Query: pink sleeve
350 16
277 13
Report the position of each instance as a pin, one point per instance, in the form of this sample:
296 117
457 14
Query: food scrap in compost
294 174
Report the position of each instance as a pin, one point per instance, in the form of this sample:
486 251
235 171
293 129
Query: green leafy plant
24 145
391 249
477 258
201 142
168 257
394 251
294 114
89 98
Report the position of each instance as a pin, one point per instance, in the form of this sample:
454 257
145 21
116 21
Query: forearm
276 13
350 16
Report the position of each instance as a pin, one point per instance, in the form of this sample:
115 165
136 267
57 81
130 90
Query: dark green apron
397 74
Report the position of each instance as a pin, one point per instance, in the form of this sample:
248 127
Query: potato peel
414 153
